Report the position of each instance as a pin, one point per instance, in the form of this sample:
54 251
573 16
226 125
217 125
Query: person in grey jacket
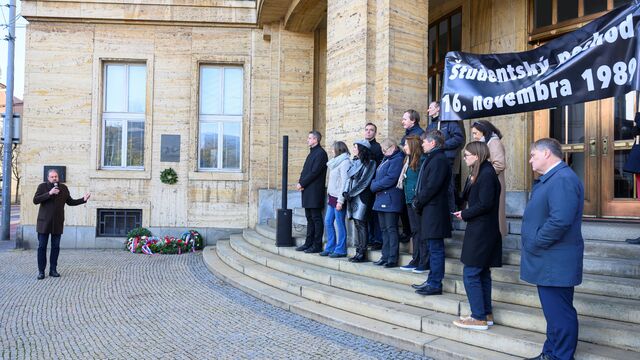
358 195
336 211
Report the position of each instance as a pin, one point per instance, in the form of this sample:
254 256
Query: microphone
55 185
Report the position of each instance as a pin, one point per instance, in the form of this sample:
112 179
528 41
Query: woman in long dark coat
358 195
482 245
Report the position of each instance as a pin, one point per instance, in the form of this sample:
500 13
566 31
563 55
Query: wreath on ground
169 176
142 242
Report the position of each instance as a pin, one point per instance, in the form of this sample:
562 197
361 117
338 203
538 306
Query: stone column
376 65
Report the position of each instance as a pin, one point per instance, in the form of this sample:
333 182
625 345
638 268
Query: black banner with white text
597 61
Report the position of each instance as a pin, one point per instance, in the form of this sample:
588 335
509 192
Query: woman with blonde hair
484 131
338 167
482 244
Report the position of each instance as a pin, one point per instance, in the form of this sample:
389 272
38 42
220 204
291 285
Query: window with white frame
220 118
125 87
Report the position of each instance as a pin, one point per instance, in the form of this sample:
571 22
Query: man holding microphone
52 196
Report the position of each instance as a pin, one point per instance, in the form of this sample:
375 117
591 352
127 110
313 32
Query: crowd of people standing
382 185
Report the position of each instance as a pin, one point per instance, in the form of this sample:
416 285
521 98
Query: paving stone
111 304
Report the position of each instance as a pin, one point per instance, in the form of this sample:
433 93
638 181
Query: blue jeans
338 216
436 258
477 284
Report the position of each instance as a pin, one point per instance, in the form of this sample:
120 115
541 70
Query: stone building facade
117 92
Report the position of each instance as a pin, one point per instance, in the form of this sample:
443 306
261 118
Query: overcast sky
20 40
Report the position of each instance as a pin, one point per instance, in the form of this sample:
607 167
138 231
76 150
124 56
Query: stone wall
63 124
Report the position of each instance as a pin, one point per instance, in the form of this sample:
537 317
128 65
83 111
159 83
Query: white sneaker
489 319
471 323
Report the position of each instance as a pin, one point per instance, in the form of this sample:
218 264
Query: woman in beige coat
482 130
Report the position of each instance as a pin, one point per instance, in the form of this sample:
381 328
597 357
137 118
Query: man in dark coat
552 246
431 202
52 196
411 125
373 225
453 141
312 185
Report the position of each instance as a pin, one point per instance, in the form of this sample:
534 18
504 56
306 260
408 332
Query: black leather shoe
539 357
419 286
634 241
428 290
380 262
391 265
302 248
376 246
54 273
313 250
40 276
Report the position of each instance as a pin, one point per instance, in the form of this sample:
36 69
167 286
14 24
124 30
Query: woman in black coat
358 195
482 246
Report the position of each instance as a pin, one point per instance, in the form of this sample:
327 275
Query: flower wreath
193 238
190 241
169 176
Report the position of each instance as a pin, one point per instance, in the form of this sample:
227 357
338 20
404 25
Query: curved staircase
377 303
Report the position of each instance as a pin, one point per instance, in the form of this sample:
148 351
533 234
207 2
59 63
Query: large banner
597 61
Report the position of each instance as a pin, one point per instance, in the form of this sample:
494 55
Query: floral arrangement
195 237
169 176
190 241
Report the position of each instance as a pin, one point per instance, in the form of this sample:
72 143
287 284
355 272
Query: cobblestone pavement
114 305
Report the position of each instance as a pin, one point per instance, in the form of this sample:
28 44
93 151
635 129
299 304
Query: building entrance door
596 140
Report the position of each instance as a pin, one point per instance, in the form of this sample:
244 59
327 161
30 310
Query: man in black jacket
454 139
52 196
431 201
312 185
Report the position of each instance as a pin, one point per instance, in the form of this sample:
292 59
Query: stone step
338 294
610 230
592 229
380 282
592 248
609 286
388 333
629 268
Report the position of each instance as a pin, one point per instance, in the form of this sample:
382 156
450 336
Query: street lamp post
8 126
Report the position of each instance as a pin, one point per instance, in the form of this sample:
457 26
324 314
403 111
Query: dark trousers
452 191
420 246
562 322
43 240
360 236
477 284
407 227
373 225
436 260
389 227
315 227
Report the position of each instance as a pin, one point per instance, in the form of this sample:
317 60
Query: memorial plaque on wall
170 148
62 172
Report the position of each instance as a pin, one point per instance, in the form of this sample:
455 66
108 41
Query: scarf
403 173
333 163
